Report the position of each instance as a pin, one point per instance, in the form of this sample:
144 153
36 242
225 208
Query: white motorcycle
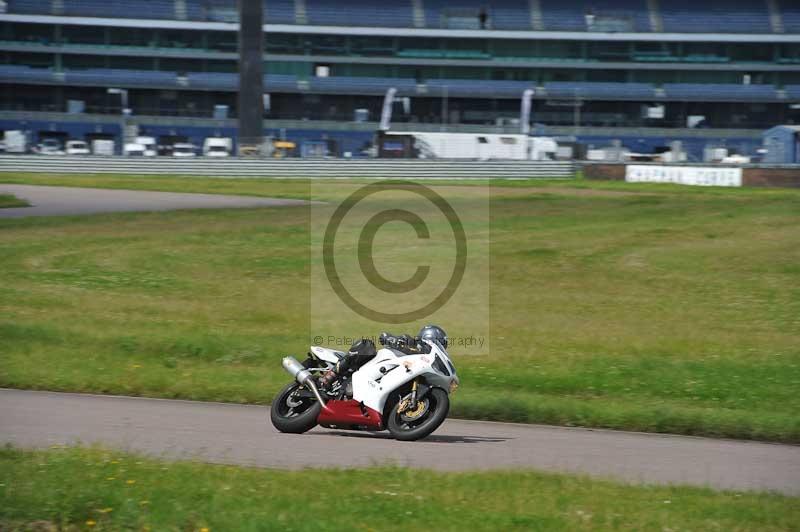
403 387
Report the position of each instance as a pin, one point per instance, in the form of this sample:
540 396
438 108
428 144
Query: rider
363 350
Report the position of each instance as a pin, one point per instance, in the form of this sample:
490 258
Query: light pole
251 78
525 111
123 94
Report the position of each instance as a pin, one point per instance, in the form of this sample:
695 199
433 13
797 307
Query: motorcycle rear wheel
292 414
404 429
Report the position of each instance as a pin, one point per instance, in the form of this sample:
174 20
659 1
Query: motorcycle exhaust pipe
303 376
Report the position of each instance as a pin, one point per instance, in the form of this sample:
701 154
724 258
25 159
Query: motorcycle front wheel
293 413
421 420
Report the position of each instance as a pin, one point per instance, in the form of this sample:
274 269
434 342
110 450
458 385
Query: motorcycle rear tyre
299 424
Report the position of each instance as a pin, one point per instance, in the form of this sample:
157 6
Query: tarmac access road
65 201
243 434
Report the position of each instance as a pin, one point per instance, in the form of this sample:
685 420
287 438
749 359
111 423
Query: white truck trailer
474 146
16 141
104 147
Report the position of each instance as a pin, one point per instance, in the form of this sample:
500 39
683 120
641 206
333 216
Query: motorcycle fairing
328 355
373 387
349 413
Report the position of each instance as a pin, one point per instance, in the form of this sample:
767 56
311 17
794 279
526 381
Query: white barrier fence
287 168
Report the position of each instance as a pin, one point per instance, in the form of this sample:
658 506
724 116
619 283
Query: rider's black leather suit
359 354
363 350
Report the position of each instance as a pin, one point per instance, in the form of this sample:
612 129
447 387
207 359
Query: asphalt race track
61 201
243 434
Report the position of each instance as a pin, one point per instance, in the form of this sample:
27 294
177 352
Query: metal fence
287 168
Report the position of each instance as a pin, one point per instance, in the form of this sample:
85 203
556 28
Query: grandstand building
707 72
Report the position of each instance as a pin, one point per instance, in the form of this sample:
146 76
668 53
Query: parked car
50 147
183 149
77 147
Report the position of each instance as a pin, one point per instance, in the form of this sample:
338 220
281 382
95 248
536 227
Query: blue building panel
782 145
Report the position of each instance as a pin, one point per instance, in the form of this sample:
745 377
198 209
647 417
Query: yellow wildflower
91 522
130 481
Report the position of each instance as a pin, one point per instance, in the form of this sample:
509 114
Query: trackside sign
684 175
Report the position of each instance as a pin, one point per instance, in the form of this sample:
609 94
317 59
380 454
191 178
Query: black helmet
435 334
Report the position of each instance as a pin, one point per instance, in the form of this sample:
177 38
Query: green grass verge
9 200
656 308
80 489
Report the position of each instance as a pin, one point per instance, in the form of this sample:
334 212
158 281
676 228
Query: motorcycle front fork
411 401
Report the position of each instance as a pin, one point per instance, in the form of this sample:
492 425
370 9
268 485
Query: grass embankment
637 307
8 201
77 489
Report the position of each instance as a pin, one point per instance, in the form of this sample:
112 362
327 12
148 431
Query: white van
103 147
149 144
77 147
183 149
217 147
133 149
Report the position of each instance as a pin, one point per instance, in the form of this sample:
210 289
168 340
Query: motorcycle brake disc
410 414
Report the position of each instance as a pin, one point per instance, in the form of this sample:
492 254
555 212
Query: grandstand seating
723 16
359 13
598 90
718 91
19 73
226 81
361 85
509 15
126 78
212 10
571 15
464 14
280 82
478 87
213 80
34 7
377 86
792 91
790 15
279 11
156 9
93 76
275 11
